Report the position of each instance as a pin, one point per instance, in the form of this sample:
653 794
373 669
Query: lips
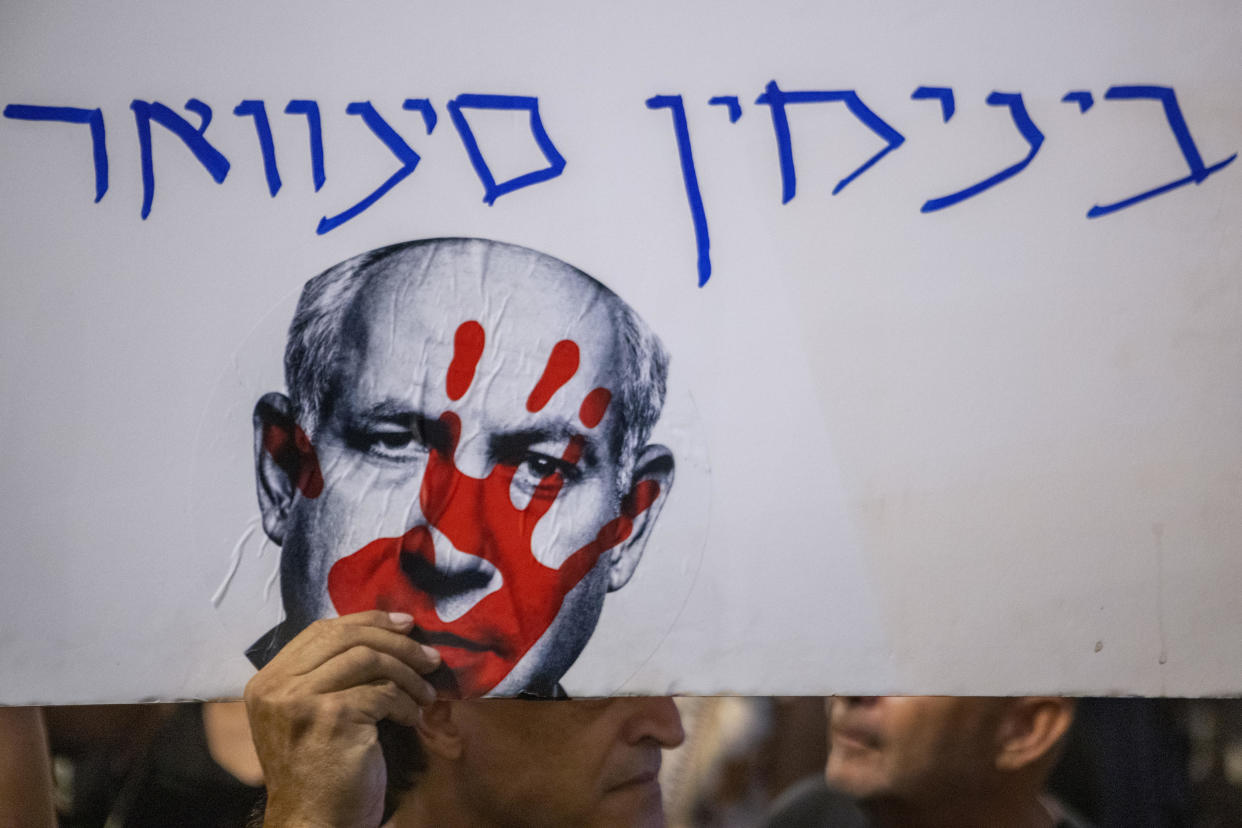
374 577
645 772
463 663
447 639
637 781
856 737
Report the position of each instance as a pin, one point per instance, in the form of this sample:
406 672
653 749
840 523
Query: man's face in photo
471 466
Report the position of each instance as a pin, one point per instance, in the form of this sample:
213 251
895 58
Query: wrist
285 814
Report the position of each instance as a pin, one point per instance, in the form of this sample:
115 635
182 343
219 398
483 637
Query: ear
439 730
1031 729
285 463
652 481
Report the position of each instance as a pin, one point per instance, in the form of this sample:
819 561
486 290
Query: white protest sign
661 348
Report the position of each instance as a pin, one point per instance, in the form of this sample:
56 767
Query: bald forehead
499 285
400 335
473 270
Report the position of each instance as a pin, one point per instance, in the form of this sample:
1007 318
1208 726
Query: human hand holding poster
755 349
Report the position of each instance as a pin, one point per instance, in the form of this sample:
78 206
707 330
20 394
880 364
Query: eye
541 465
542 473
389 442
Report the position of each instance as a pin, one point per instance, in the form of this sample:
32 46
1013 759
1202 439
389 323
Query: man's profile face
581 763
470 472
911 748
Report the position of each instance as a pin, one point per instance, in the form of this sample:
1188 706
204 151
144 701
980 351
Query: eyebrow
430 431
509 442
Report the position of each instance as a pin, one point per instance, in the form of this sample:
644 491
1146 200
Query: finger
396 621
324 640
382 700
364 665
342 638
314 636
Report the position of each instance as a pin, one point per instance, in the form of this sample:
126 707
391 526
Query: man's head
465 439
541 763
927 754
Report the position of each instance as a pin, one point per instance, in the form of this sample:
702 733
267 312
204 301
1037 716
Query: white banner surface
765 348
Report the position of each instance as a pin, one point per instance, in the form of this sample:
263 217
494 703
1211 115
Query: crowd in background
1126 762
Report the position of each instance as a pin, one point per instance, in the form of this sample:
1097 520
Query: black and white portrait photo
465 438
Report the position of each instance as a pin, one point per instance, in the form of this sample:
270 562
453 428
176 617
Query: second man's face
910 748
469 475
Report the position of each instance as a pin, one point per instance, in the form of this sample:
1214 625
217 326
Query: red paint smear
467 349
504 625
562 365
295 456
477 516
594 407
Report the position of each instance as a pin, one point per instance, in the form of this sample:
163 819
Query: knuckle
366 658
317 626
332 709
413 654
259 688
337 637
286 704
320 630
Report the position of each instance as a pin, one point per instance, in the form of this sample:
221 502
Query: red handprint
477 516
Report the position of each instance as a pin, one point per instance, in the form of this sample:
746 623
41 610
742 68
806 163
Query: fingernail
401 619
432 653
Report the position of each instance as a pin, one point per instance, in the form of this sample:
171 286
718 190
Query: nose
855 701
455 580
836 706
656 719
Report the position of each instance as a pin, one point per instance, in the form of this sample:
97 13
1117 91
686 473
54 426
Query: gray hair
313 352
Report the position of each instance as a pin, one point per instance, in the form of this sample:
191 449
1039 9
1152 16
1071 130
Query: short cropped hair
313 353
